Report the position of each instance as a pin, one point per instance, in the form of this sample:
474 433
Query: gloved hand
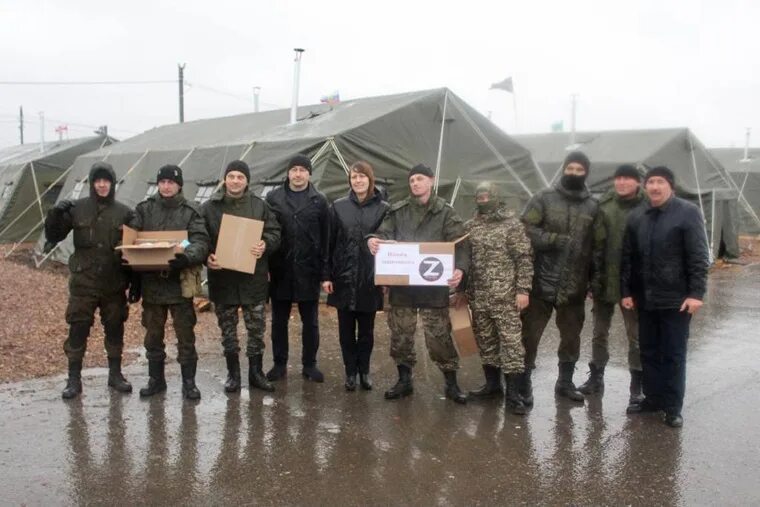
179 262
561 241
49 245
63 207
135 288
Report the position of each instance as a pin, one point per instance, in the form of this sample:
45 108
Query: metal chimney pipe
296 77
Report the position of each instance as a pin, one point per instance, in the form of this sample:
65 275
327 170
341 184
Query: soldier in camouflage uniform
423 217
497 289
168 210
233 290
98 281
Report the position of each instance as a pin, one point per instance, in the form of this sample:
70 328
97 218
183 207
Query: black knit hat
662 172
301 160
578 157
421 169
627 171
239 166
170 172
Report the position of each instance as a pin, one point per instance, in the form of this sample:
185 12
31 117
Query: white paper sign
404 259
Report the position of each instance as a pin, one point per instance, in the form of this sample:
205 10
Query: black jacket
665 255
350 265
297 268
233 287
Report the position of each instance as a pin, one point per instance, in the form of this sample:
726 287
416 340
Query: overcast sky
633 64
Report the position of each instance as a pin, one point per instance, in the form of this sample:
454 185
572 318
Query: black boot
512 399
635 388
74 382
595 382
404 385
526 387
232 384
189 389
564 386
350 384
278 371
156 380
115 378
256 377
365 381
312 373
492 387
452 388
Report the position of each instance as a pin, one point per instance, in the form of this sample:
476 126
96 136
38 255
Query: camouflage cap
490 188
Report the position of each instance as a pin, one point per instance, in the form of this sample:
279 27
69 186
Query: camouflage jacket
501 259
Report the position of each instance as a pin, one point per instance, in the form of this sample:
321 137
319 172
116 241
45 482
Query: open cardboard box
461 331
150 250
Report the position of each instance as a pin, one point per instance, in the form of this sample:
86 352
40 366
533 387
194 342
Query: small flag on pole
505 85
331 99
558 126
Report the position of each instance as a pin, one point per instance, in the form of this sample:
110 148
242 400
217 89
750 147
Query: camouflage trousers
600 353
80 315
255 324
569 320
402 322
183 321
498 334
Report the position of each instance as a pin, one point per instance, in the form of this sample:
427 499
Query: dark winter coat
97 224
297 267
563 274
233 287
408 221
350 266
173 214
665 255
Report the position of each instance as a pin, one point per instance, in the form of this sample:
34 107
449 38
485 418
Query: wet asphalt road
312 444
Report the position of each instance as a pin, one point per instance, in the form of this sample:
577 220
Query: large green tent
31 177
392 132
745 171
699 177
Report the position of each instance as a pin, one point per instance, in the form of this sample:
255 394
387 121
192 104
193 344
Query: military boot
156 379
256 377
189 389
365 381
635 388
595 382
232 384
115 378
526 387
312 373
74 382
452 388
404 385
512 399
278 371
564 386
492 387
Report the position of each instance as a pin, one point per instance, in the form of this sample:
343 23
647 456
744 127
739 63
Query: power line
76 83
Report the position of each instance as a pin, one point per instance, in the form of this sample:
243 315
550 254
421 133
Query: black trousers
663 335
309 311
356 347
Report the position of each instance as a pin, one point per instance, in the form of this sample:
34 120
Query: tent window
152 189
77 192
268 188
204 192
7 191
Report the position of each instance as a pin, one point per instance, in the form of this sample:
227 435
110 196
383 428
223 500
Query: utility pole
573 100
256 92
42 132
296 77
21 122
181 69
746 145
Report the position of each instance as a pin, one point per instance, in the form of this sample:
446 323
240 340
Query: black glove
49 245
135 288
63 207
561 241
179 262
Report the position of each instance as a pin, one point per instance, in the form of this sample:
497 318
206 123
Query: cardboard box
419 264
150 250
236 237
461 331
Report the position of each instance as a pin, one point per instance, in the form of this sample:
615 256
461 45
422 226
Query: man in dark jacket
98 281
423 217
168 210
230 290
296 269
615 207
565 229
664 275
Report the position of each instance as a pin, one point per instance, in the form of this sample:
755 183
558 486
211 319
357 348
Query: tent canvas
746 175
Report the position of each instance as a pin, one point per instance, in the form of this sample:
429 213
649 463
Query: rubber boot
492 387
404 386
189 389
232 384
635 389
256 377
526 387
74 382
452 388
278 371
365 381
350 383
312 373
595 382
115 378
156 379
564 386
512 400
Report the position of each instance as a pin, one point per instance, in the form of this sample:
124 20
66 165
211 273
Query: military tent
745 171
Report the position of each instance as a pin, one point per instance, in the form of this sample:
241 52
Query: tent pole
540 172
36 190
19 242
699 190
456 190
712 225
321 150
440 143
340 155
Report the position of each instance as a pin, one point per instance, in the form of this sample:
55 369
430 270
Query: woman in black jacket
349 273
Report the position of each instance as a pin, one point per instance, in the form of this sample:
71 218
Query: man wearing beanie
168 210
98 280
423 217
565 229
664 276
231 291
614 207
296 269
